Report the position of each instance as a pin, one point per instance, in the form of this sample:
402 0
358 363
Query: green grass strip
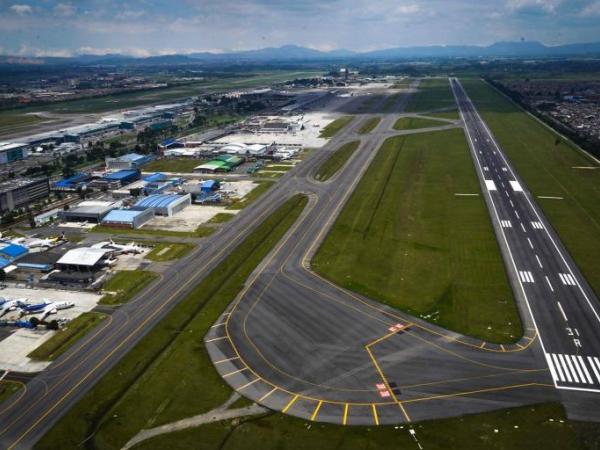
404 238
168 251
369 125
125 284
67 336
412 123
168 375
334 127
200 232
336 161
221 218
8 388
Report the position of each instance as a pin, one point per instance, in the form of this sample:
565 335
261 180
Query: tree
52 325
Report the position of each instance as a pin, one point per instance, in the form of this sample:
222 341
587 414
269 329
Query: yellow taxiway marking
216 339
502 347
267 394
457 394
234 372
345 418
226 359
316 411
482 344
248 384
519 345
375 416
404 412
289 405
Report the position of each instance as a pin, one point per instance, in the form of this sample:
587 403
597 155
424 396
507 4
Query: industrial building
222 163
164 204
12 151
88 211
22 192
128 161
127 218
84 259
116 179
72 183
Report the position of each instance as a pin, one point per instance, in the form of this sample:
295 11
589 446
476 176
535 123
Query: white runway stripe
549 284
551 367
486 168
579 371
561 376
526 276
571 368
537 225
566 369
594 369
585 371
506 223
567 279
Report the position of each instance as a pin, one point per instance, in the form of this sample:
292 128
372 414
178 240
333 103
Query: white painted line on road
491 186
537 225
579 371
517 214
594 369
551 367
549 284
486 168
550 198
511 203
504 169
558 368
539 261
567 279
516 186
4 374
502 183
572 369
585 371
506 192
526 276
523 226
564 366
530 243
562 311
506 223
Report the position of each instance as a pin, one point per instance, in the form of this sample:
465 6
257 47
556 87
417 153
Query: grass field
433 93
11 121
221 218
168 251
540 426
8 388
334 127
200 232
67 336
125 284
168 375
405 239
413 123
369 125
263 186
336 161
548 165
177 165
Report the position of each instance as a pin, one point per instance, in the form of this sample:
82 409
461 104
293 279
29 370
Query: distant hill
296 53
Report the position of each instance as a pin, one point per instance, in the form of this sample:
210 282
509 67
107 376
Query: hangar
88 211
164 204
127 218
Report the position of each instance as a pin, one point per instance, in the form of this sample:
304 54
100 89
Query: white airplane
132 247
101 244
10 305
53 308
47 242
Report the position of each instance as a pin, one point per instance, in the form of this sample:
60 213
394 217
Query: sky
155 27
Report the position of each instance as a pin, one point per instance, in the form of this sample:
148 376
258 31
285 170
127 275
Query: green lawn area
547 165
67 336
412 123
177 165
539 426
369 125
8 388
201 231
260 189
168 251
406 240
168 374
390 102
336 161
334 127
125 284
433 93
278 167
11 121
221 218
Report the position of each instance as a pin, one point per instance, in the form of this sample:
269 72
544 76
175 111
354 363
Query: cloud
21 9
591 10
545 6
64 9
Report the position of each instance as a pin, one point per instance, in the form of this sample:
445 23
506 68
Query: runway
296 343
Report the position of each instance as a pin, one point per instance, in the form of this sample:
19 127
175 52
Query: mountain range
294 53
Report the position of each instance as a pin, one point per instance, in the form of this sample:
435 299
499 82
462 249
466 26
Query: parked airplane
132 247
102 244
53 308
8 306
28 308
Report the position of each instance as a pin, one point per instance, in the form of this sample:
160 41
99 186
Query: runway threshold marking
291 402
375 416
316 411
